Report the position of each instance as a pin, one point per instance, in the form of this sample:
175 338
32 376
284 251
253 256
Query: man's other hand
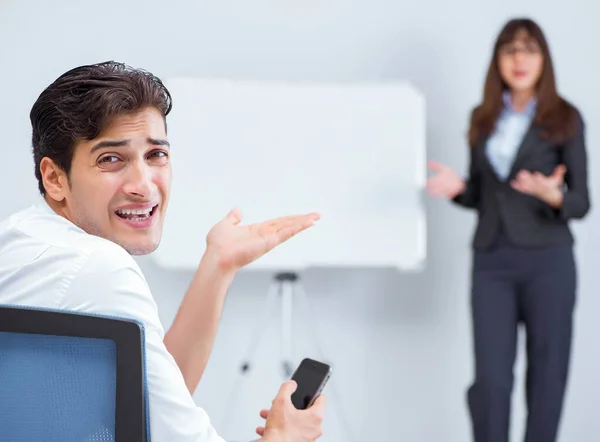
285 423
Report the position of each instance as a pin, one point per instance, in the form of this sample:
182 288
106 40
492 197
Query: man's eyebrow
123 143
158 142
109 143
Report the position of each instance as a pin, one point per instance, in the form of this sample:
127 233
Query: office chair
71 377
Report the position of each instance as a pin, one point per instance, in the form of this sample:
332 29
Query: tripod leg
302 297
259 328
255 337
286 328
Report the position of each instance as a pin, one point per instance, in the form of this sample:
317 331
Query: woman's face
521 63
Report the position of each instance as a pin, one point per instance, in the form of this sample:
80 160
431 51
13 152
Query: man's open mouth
137 214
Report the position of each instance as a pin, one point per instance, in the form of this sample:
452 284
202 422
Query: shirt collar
529 109
43 204
45 207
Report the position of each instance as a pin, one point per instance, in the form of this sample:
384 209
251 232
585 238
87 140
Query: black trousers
535 287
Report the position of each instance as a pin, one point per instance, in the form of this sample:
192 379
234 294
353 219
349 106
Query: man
102 163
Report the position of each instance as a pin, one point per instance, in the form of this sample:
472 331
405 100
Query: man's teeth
135 212
138 213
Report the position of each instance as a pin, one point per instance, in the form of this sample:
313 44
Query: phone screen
310 376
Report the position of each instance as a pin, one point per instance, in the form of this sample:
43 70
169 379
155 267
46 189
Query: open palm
237 246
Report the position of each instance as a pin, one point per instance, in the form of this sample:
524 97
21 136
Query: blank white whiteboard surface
355 153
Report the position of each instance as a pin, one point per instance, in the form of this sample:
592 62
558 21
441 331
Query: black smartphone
311 377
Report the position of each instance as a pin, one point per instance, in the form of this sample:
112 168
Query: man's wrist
272 436
212 264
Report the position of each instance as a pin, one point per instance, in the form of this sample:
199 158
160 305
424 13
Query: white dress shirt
47 261
512 125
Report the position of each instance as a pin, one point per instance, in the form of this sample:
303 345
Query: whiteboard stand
287 288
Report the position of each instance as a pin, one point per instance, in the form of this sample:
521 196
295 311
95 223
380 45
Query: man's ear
55 179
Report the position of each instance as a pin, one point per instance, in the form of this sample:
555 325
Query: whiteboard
355 153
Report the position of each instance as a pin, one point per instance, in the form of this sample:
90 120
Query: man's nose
139 180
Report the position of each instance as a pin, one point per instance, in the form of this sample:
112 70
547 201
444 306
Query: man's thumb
234 216
287 388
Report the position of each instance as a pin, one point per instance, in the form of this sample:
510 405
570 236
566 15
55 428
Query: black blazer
524 219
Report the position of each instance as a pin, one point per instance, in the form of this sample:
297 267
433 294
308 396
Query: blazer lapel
527 145
480 152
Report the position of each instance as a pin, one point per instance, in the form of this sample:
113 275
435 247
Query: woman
527 178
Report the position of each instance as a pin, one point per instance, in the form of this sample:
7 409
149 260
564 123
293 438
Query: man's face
120 182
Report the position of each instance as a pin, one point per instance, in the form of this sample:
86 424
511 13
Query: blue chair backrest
57 388
62 388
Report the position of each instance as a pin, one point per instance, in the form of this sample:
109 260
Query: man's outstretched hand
236 246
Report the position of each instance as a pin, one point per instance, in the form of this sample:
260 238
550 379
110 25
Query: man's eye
158 154
109 159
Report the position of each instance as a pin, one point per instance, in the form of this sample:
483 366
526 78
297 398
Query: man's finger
260 431
319 404
281 232
282 223
264 413
287 232
314 216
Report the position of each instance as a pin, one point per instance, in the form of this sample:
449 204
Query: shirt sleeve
111 283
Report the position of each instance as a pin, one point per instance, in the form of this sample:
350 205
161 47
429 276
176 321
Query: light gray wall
400 343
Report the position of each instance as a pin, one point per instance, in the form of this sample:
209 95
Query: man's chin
139 248
135 251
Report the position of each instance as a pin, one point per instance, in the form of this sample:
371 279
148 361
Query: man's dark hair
80 104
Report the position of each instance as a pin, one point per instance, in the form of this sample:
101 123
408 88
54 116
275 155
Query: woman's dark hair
557 118
81 102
